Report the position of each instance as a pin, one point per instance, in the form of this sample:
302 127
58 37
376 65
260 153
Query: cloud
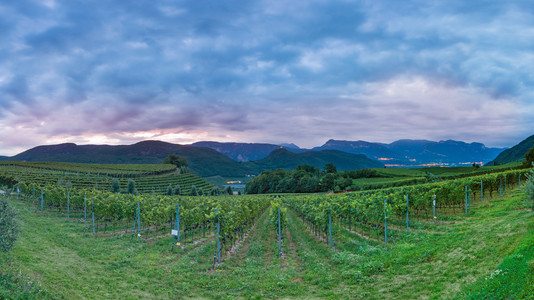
265 70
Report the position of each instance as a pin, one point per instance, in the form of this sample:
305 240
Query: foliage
276 204
369 207
170 190
177 190
194 191
304 179
330 168
115 186
529 158
176 160
228 190
8 226
130 189
215 191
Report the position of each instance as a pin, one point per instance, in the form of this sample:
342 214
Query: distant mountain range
239 159
399 153
202 160
418 152
516 153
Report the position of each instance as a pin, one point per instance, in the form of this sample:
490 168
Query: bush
8 227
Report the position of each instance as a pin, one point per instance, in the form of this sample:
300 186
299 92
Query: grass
53 258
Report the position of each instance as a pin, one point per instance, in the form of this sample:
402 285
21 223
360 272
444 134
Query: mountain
372 150
417 152
202 161
451 152
245 151
240 151
290 146
284 159
516 153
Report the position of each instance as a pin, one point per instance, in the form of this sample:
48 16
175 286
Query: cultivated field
470 237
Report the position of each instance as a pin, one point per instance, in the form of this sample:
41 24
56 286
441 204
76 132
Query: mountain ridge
203 161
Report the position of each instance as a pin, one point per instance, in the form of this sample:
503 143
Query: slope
516 153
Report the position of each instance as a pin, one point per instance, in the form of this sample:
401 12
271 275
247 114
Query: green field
459 257
390 177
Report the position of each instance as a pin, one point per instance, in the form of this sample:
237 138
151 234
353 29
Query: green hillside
284 159
202 161
516 153
149 178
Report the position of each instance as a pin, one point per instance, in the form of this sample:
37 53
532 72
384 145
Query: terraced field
149 178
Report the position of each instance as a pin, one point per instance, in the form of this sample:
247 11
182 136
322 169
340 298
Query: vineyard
344 230
149 178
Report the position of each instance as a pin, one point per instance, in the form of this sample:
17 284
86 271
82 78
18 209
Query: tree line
306 179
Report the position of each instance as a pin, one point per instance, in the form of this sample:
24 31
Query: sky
303 72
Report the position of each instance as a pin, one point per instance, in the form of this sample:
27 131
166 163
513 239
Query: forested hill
516 153
202 161
283 159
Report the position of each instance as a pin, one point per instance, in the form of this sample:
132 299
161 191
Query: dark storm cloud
257 70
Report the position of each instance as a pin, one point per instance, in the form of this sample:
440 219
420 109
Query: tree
327 182
330 168
130 189
176 160
8 227
215 191
228 190
115 186
200 192
177 190
170 190
529 158
307 168
194 191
